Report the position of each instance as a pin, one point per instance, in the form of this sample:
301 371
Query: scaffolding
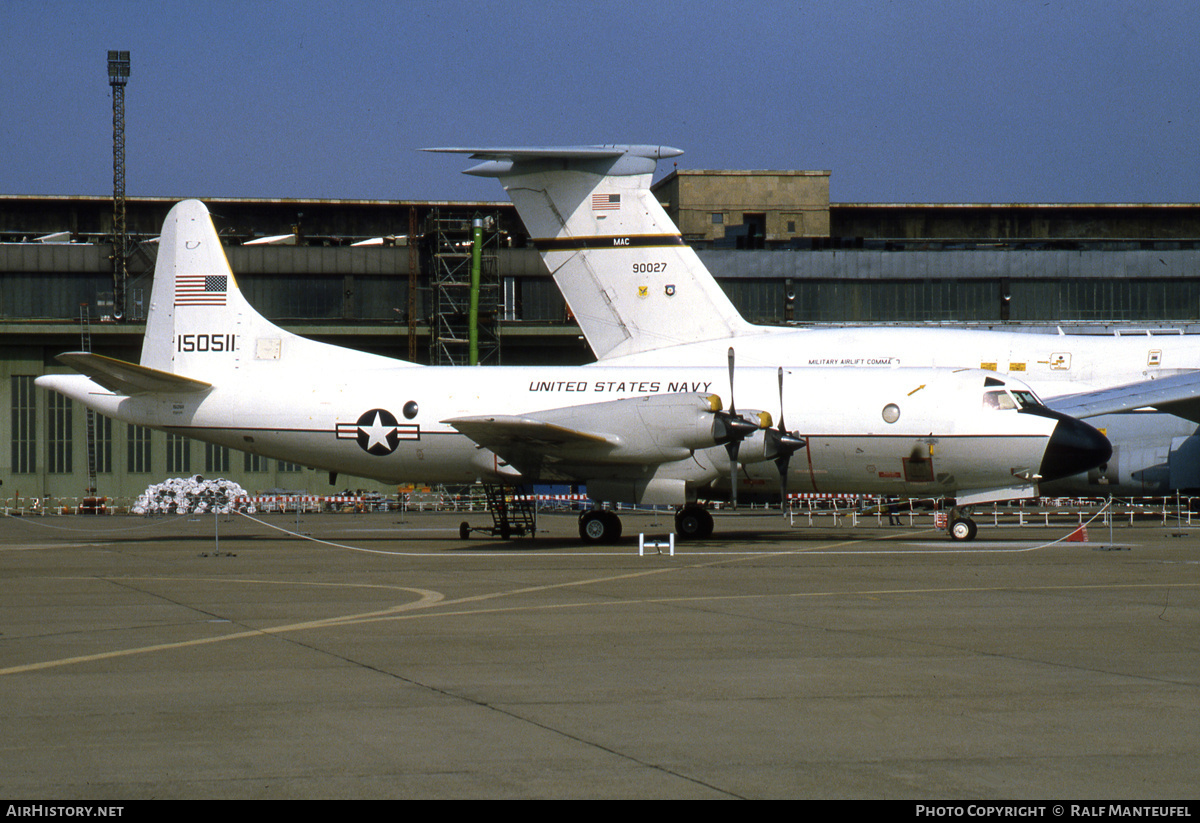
450 236
85 345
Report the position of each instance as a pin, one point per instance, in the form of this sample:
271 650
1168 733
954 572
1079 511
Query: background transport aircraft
641 295
214 369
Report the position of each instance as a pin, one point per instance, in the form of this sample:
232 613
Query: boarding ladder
512 511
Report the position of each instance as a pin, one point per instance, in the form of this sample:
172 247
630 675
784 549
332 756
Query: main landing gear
692 522
599 526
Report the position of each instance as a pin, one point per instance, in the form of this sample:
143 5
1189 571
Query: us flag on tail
201 289
606 202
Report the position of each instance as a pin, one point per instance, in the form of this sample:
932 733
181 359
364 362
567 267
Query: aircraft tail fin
199 325
631 282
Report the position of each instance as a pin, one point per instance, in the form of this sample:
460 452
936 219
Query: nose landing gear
962 527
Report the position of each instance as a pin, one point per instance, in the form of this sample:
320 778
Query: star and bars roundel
378 432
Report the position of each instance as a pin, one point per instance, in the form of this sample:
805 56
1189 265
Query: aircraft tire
963 528
599 526
693 523
464 530
615 526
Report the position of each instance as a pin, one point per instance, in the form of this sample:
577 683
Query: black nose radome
1074 447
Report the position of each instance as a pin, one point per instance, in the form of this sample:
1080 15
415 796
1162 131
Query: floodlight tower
118 76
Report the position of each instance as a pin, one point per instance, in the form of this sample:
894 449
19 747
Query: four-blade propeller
781 445
731 428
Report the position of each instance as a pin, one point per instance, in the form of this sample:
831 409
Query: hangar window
254 463
58 435
718 218
139 449
179 453
216 458
24 424
104 444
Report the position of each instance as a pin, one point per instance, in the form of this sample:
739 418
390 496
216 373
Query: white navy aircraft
641 295
214 369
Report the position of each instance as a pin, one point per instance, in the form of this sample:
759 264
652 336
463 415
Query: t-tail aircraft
641 295
214 369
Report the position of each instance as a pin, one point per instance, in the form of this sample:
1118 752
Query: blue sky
935 101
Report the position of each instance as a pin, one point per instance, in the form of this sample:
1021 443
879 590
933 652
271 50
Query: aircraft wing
130 378
620 436
533 446
1178 395
529 433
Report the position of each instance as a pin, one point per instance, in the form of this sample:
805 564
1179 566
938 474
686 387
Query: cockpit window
1005 400
1026 399
998 400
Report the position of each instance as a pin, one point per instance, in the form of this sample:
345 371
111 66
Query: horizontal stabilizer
130 378
1178 395
617 160
536 152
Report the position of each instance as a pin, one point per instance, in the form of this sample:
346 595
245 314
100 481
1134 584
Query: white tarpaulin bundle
190 495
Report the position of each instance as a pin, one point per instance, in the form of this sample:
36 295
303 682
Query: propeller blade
732 407
734 445
782 465
733 449
731 428
784 444
781 426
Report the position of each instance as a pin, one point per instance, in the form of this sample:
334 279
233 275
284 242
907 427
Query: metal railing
840 511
